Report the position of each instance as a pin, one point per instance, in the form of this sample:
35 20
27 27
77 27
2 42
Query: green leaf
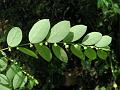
2 87
3 63
39 31
60 53
92 38
102 88
11 72
102 54
44 51
77 52
105 41
19 80
90 53
24 81
27 51
107 48
31 83
3 79
76 32
59 32
14 37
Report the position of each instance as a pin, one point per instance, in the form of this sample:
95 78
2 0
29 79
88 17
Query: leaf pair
88 52
97 39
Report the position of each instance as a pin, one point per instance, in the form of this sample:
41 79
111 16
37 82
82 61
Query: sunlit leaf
3 79
2 87
14 37
18 80
44 51
76 32
60 53
3 63
24 81
105 41
11 72
92 38
59 32
39 31
27 51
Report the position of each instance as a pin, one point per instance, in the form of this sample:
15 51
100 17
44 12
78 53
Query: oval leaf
24 81
59 32
76 32
18 80
3 64
105 41
77 52
92 38
2 87
90 53
39 31
60 53
27 51
3 79
44 51
11 72
102 54
14 37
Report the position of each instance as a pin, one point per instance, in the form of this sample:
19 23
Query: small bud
92 46
17 48
28 74
46 43
9 49
69 74
55 44
16 63
114 85
85 47
20 67
41 44
76 45
97 48
66 46
11 60
31 45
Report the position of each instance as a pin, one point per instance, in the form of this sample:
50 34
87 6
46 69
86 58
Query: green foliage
76 32
3 64
58 40
15 77
92 38
39 31
19 80
14 37
27 51
90 53
44 51
102 54
105 41
59 32
77 51
60 53
3 79
2 87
